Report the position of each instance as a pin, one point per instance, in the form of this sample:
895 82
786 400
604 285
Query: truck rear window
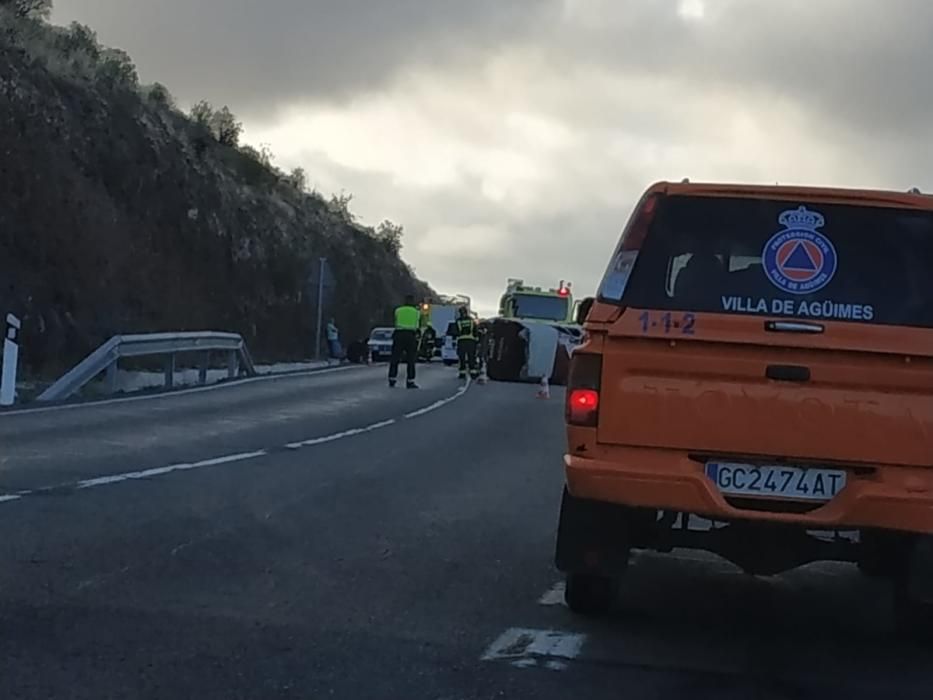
540 307
783 259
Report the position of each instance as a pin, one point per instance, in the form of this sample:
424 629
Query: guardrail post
111 378
170 371
202 367
233 364
10 359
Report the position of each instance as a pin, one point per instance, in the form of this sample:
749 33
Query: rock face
119 214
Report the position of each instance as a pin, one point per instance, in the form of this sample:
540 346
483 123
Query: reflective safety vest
407 318
466 329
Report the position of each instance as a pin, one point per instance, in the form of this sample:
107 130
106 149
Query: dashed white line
340 435
239 457
158 471
229 458
439 404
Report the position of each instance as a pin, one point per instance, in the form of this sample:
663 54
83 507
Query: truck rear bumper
889 497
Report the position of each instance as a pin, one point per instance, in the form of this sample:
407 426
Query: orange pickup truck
761 357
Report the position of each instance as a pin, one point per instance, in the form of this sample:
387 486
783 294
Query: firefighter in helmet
465 330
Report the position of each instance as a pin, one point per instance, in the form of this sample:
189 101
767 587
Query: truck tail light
583 390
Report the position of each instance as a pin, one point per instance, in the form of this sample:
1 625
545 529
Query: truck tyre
593 537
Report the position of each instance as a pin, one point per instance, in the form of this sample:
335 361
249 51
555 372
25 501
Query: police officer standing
465 330
405 341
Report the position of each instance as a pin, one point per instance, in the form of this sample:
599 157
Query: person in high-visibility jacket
465 330
405 341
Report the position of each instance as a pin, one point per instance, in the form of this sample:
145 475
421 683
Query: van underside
598 537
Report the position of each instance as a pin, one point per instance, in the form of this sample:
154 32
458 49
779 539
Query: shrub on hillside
225 127
29 8
117 70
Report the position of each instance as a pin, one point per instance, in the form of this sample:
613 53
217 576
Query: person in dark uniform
428 343
482 343
464 329
405 341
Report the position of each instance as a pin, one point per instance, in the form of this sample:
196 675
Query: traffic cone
544 391
483 379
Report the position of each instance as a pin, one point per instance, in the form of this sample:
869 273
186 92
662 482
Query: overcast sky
511 137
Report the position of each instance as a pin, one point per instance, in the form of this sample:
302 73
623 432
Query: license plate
776 481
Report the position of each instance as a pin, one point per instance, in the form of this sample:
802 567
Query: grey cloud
542 248
850 74
261 54
856 62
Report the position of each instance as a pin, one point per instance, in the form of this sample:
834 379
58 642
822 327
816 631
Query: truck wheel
589 594
593 537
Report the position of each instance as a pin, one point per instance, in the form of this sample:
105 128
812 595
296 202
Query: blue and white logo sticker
799 259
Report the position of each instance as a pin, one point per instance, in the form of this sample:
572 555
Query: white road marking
227 459
158 471
340 435
554 595
180 392
439 404
525 648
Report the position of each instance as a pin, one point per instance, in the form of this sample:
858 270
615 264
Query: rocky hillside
118 213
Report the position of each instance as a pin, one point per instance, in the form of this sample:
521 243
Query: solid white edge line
180 392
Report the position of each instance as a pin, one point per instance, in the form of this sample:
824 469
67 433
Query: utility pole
320 310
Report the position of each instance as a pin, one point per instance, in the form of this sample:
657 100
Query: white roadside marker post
10 359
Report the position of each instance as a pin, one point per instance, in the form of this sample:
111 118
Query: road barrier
107 356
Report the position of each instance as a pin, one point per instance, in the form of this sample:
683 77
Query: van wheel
449 363
589 594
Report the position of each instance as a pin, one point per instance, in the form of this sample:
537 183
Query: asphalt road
326 537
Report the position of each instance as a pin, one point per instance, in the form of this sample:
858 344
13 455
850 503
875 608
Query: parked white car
380 344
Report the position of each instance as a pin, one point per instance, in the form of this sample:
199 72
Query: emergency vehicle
757 382
527 303
440 314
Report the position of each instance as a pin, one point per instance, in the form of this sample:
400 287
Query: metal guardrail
107 356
